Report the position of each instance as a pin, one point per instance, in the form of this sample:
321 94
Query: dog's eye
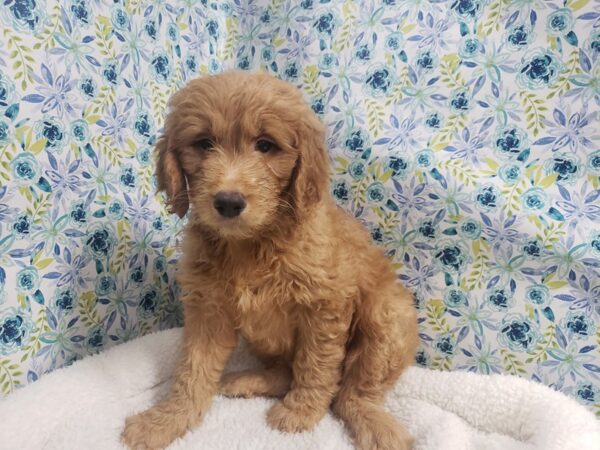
204 144
264 146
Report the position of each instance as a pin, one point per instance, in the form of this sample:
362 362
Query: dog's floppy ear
310 179
170 177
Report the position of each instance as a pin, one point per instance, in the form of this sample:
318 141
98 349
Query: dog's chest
266 315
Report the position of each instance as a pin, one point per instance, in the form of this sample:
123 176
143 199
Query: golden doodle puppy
267 255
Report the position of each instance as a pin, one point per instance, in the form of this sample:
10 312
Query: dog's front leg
209 339
317 369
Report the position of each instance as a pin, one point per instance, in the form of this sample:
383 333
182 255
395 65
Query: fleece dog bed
85 406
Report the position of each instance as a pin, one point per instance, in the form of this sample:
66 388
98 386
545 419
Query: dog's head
244 150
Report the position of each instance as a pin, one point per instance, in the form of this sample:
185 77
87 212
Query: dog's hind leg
272 382
383 346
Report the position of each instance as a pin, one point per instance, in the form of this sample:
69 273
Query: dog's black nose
229 204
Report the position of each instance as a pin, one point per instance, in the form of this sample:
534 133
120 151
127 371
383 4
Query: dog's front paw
291 420
153 429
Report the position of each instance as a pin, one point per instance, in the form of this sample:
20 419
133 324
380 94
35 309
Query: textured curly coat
293 274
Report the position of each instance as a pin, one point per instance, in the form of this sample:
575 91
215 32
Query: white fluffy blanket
84 407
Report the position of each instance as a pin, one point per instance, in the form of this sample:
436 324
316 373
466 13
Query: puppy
267 255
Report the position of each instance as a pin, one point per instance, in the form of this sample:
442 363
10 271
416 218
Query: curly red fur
293 274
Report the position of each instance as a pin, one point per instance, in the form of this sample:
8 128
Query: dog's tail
371 427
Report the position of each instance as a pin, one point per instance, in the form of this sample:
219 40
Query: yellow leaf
556 284
577 4
408 27
492 164
42 264
38 146
548 181
87 296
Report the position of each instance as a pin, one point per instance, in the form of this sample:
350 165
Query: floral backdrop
463 133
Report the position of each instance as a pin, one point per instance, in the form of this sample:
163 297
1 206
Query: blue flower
28 280
212 26
7 92
539 69
267 53
455 297
318 106
306 4
327 61
470 229
291 71
357 142
15 329
510 141
88 87
144 156
80 131
499 299
95 339
425 158
538 294
265 17
119 19
451 256
173 32
519 36
64 299
594 243
394 42
534 200
445 344
25 168
533 248
81 11
110 72
243 63
22 225
340 190
6 133
151 28
54 132
161 67
400 166
560 22
157 223
148 302
325 24
78 213
510 173
593 163
587 393
115 209
191 63
469 47
376 193
105 284
578 325
518 333
214 66
467 9
426 228
566 166
426 60
487 197
100 241
357 169
434 120
460 101
363 52
378 81
137 274
27 15
421 358
143 127
377 233
160 264
127 178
